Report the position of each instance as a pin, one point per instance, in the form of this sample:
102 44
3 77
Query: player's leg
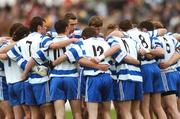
17 99
76 108
171 105
107 95
93 95
35 112
4 96
30 100
125 108
84 110
138 96
27 112
42 95
59 106
92 110
157 107
178 103
100 113
135 110
147 75
57 93
72 89
124 92
145 106
7 110
18 112
106 106
118 112
2 116
47 109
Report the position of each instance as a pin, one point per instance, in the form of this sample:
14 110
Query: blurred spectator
113 11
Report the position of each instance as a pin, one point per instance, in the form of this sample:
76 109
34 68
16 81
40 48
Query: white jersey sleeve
119 55
75 53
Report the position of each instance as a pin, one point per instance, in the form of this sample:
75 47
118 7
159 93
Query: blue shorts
152 81
99 88
3 89
170 80
127 90
16 93
62 88
178 83
37 94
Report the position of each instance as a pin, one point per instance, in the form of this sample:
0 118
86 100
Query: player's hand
50 65
103 67
149 56
138 62
164 65
142 52
23 75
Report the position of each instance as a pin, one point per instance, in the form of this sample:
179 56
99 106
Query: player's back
169 46
64 69
94 46
129 45
140 37
127 71
29 45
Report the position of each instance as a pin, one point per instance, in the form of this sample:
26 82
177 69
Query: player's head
110 28
61 27
88 32
20 33
38 24
72 21
96 22
157 24
125 25
13 28
146 26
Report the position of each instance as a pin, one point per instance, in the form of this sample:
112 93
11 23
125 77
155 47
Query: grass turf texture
68 114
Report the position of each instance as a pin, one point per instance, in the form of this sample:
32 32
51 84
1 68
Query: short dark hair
35 22
13 28
69 16
88 32
20 33
147 25
125 25
95 21
60 26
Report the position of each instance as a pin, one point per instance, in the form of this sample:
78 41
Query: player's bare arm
62 44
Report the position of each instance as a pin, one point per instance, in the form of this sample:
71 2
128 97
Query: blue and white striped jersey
76 34
65 69
89 48
126 71
117 57
1 63
52 33
11 69
27 48
170 44
147 40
